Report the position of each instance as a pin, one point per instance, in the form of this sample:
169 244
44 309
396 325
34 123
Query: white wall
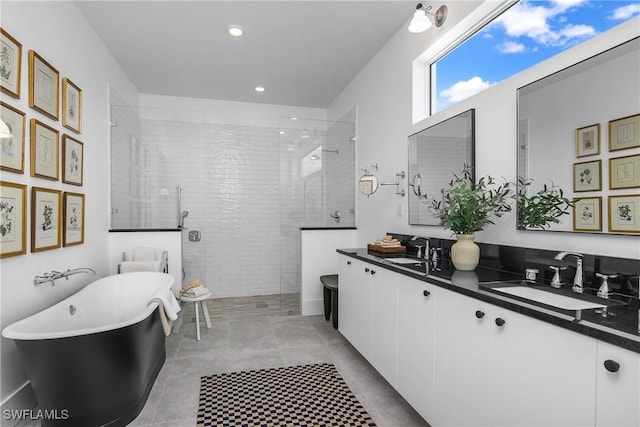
382 92
58 32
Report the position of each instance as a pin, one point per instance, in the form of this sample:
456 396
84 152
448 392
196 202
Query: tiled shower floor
246 335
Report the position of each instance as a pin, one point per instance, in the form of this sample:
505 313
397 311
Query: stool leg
197 321
205 311
334 303
327 303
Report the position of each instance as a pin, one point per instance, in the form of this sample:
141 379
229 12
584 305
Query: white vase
465 254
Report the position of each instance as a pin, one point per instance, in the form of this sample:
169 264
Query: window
527 33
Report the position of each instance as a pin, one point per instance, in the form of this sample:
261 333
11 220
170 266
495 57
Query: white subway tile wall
242 188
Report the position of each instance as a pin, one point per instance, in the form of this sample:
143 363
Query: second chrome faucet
578 282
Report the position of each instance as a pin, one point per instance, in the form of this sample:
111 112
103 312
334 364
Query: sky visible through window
526 34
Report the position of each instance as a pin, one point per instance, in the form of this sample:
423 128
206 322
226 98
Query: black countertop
616 324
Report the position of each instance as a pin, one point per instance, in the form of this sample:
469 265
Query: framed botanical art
73 228
624 172
44 86
587 176
624 213
71 106
13 219
587 214
588 141
45 219
72 160
624 133
12 148
10 64
44 151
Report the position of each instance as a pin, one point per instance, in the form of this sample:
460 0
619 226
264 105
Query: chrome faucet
577 280
55 275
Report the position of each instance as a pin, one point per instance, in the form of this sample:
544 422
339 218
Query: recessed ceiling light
294 118
281 132
259 89
235 30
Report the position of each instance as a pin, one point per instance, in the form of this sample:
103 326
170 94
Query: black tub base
96 380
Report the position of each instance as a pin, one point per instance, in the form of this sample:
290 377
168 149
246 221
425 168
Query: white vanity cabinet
495 367
543 375
354 303
416 336
384 322
618 387
463 332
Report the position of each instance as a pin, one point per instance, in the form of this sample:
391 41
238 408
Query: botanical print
586 177
45 152
7 62
625 213
44 88
7 145
73 166
7 219
625 172
72 100
587 216
588 139
626 133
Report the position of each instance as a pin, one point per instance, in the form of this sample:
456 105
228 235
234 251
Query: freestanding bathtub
93 357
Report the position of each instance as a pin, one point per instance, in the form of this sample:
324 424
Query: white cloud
534 21
464 89
626 12
511 47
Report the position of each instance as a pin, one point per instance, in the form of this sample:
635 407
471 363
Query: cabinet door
416 340
462 361
618 387
384 322
354 304
542 374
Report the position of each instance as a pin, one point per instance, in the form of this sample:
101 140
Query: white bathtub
109 303
95 355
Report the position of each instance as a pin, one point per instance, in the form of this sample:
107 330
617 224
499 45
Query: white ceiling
303 52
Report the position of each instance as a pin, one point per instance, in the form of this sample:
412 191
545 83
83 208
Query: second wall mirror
435 154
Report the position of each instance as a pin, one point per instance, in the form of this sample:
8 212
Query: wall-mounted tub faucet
577 280
55 275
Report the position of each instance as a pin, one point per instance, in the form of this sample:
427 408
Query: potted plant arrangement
467 208
541 209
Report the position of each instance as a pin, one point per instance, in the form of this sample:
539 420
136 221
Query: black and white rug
307 395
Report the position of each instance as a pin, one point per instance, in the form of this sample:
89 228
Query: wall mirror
368 184
435 154
579 129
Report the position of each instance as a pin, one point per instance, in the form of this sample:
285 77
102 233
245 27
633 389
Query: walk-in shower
246 191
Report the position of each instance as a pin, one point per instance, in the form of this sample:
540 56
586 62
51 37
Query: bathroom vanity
463 353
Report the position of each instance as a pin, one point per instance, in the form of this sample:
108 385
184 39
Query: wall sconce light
421 22
5 132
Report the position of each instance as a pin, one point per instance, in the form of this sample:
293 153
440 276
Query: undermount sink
564 302
405 260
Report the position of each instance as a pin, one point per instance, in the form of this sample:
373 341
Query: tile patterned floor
242 339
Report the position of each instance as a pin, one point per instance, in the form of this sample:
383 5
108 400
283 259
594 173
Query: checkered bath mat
308 395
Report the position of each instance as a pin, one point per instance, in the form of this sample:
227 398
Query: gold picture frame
73 225
587 176
44 151
588 140
10 64
45 219
13 219
72 160
44 86
587 214
71 106
624 172
624 213
624 133
12 149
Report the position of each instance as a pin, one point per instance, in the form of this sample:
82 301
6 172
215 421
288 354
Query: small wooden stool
330 283
202 300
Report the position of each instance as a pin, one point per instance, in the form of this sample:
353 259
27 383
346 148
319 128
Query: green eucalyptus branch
542 208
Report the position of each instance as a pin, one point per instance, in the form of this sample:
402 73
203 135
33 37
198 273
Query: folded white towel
130 266
144 254
197 291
